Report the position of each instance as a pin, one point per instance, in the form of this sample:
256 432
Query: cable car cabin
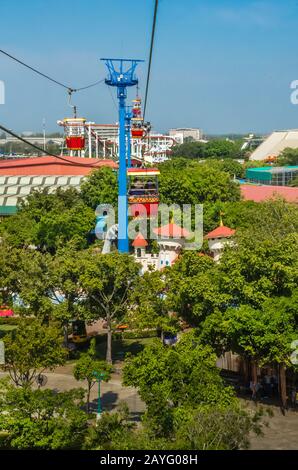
79 332
74 133
143 195
137 132
137 109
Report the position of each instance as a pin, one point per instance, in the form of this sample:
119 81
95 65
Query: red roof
221 232
6 312
171 230
261 193
49 165
139 241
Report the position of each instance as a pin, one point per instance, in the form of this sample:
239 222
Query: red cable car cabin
137 132
75 133
143 197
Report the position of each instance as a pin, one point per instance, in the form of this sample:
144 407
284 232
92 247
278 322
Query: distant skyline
221 65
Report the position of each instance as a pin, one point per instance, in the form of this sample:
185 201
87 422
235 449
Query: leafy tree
214 428
196 184
191 150
288 156
34 284
30 349
219 148
100 187
184 394
65 291
253 271
232 167
106 281
261 336
9 279
111 429
192 287
42 419
168 378
215 148
50 220
150 308
85 367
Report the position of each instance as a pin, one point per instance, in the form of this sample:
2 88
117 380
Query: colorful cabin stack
137 129
143 195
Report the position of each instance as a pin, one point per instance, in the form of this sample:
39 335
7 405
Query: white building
218 239
170 242
275 143
181 133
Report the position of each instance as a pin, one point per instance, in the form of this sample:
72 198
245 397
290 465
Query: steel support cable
8 131
71 89
150 55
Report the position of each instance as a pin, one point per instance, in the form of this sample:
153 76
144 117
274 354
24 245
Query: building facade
182 133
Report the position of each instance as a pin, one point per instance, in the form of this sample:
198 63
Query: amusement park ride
87 139
138 186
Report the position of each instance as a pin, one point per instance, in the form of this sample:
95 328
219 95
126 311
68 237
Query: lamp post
99 377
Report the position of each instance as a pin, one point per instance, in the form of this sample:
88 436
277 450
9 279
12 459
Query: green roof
8 210
274 169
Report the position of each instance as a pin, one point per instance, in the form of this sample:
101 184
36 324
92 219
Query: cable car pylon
121 74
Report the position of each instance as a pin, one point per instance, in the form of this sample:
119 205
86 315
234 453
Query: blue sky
223 65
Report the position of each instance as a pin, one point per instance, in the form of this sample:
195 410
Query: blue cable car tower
122 75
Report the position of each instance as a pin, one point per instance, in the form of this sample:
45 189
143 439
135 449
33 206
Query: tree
215 148
50 220
288 156
65 291
149 305
30 349
191 150
85 367
196 184
253 271
213 428
42 419
261 336
192 287
106 281
100 187
168 378
110 429
223 148
182 388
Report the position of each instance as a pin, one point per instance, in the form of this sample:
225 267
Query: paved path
282 433
112 392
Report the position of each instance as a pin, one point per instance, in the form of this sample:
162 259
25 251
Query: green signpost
99 377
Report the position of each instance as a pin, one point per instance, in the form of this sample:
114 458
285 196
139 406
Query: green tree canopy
50 220
42 419
106 281
288 156
196 184
85 367
100 187
30 349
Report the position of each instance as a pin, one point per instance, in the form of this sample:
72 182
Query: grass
121 347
